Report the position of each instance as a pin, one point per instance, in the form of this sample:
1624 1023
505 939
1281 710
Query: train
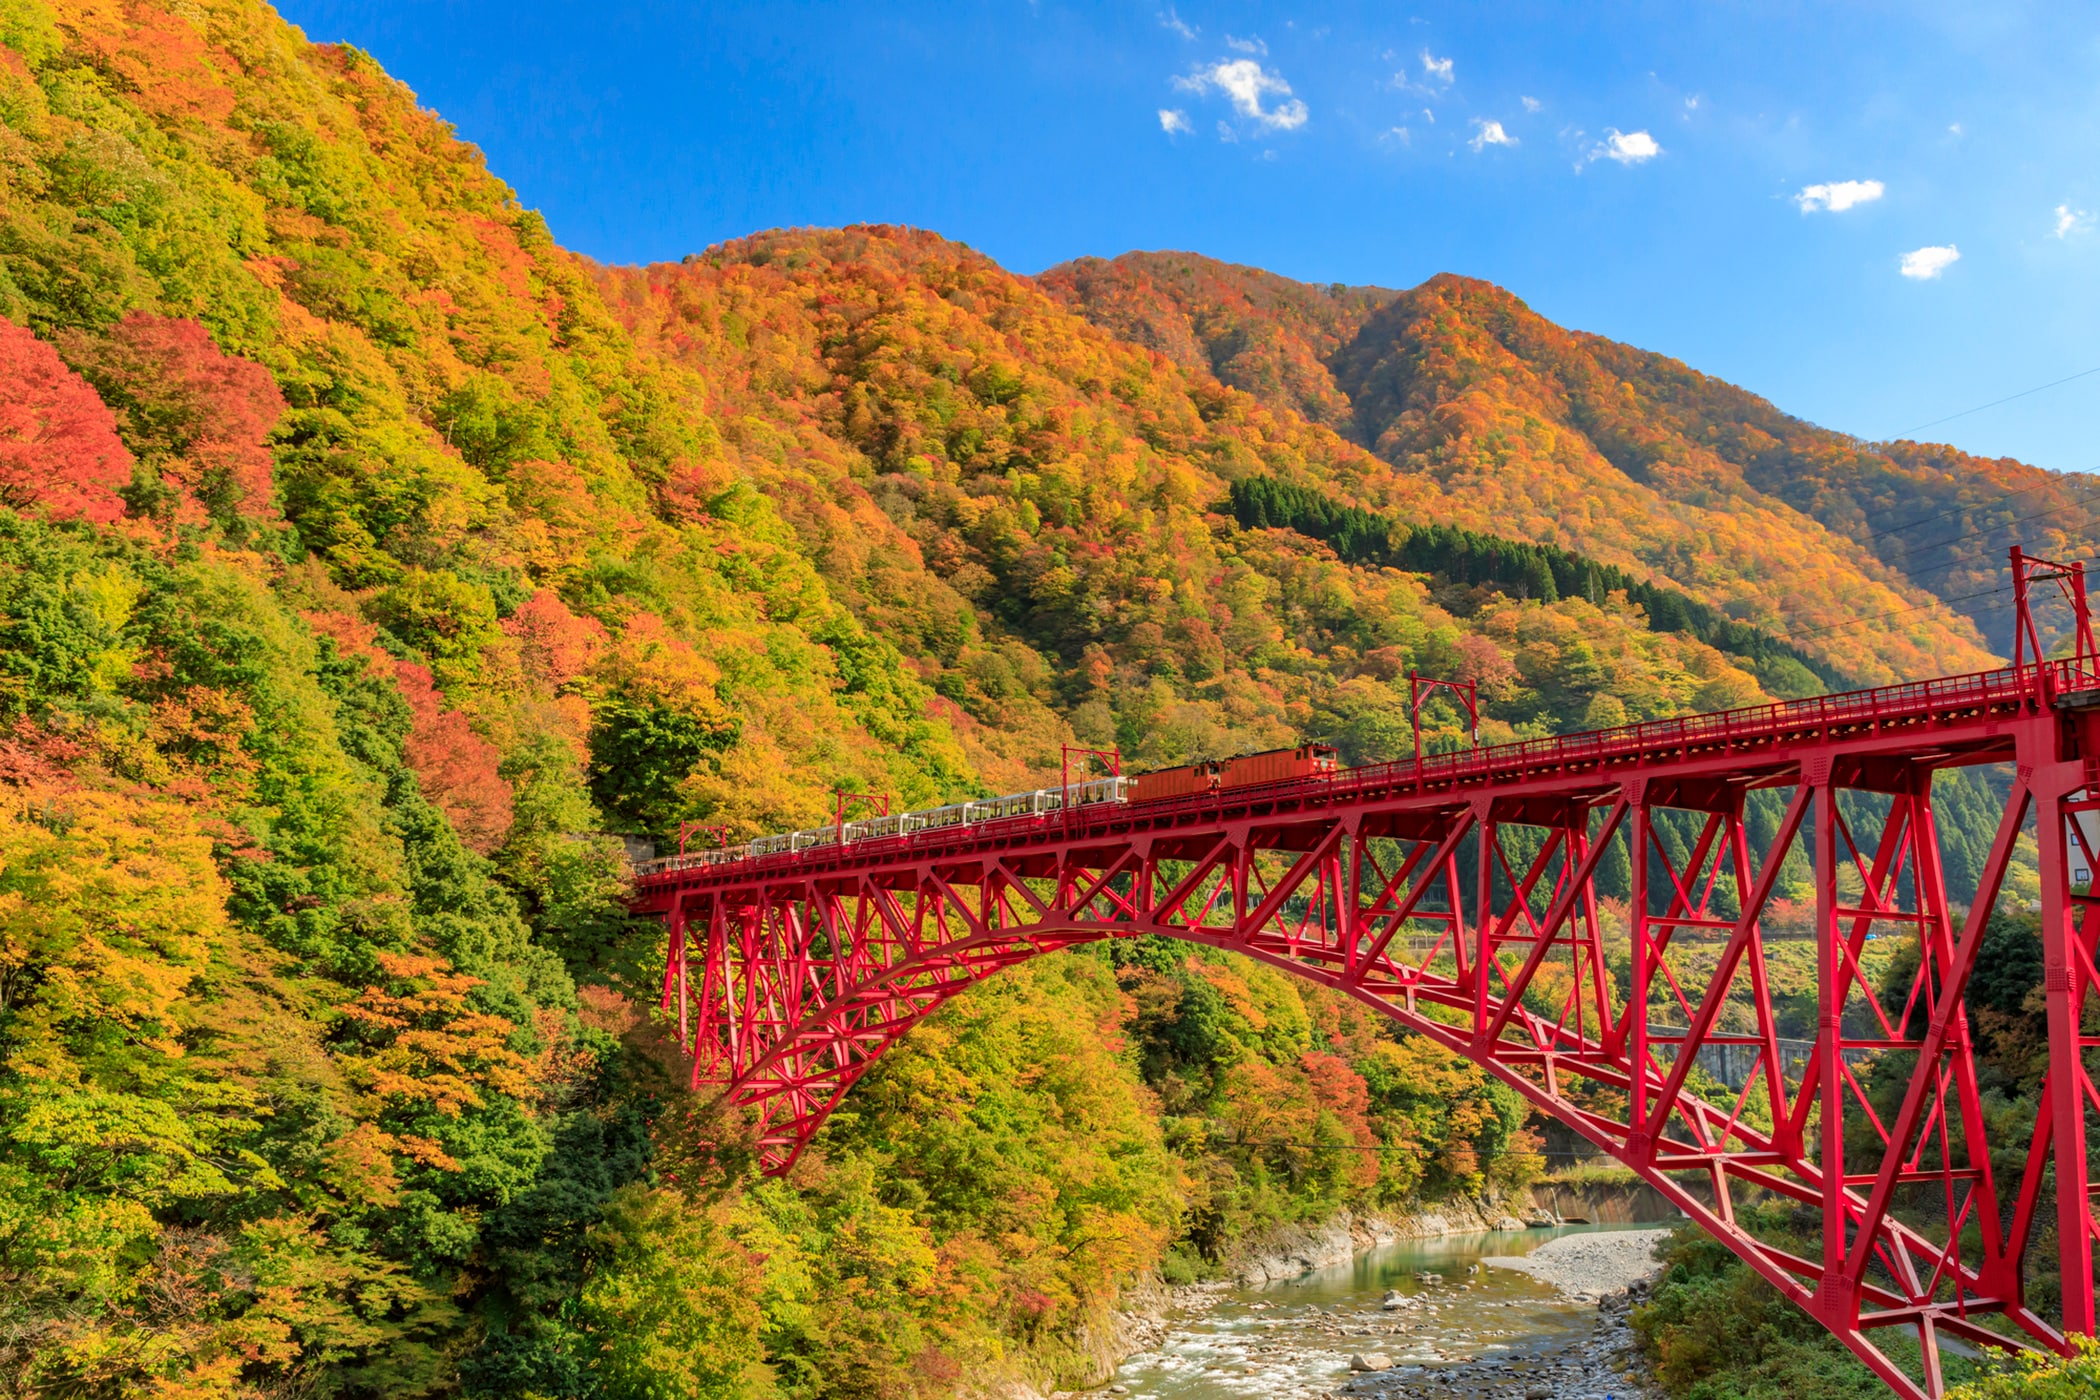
1204 776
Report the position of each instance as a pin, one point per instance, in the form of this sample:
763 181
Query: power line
2092 492
1974 534
1898 612
1913 579
1995 402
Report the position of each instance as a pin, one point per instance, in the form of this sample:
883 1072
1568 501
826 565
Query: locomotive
1244 770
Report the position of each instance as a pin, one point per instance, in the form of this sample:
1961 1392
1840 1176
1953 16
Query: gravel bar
1590 1266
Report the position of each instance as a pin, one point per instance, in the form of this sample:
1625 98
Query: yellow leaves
1238 995
360 1166
109 907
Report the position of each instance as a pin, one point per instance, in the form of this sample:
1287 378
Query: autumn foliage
456 768
59 451
370 566
198 417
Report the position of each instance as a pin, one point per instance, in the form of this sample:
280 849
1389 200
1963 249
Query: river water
1293 1340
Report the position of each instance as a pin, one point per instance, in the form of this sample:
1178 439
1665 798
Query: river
1464 1329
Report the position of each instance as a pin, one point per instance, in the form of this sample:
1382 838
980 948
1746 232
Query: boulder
1371 1361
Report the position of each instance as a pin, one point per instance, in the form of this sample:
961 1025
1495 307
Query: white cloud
1487 133
1691 104
2070 221
1177 24
1839 195
1625 147
1429 116
1954 128
1172 121
1924 264
1436 69
1246 83
1531 104
1402 135
1253 46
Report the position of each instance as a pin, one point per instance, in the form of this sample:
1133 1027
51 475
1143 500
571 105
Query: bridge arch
1462 904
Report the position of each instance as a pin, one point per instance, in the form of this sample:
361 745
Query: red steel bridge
1456 894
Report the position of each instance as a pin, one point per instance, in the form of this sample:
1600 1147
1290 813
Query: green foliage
672 1312
2041 1377
1718 1331
640 757
1542 571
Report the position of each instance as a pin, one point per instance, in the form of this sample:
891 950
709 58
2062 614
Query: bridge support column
2069 922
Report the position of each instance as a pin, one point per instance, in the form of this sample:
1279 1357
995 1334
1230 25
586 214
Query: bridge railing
1735 730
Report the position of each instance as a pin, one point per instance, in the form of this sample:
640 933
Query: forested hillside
1570 439
370 565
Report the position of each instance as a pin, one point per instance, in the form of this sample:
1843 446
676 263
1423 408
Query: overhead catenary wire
1896 612
1959 507
2052 384
1794 637
1992 528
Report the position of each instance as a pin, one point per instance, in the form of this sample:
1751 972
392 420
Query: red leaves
200 416
455 767
58 441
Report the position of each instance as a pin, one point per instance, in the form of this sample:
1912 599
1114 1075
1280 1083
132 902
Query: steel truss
1465 908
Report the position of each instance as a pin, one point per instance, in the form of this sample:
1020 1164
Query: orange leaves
655 666
200 731
455 768
555 645
423 1045
59 450
165 63
1341 1092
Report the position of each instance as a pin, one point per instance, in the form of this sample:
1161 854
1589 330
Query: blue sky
1736 184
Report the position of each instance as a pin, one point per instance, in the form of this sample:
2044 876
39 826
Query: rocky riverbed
1596 1363
1424 1318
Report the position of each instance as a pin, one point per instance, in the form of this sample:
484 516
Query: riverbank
1289 1251
1613 1270
1415 1317
1546 1313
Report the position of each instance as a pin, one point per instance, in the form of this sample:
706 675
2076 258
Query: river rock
1371 1361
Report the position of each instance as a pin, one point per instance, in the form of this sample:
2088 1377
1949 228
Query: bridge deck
1759 742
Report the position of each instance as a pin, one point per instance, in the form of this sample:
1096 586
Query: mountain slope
369 564
360 572
1071 487
1571 439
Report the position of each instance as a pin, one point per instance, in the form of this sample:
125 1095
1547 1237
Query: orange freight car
1277 765
1175 782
